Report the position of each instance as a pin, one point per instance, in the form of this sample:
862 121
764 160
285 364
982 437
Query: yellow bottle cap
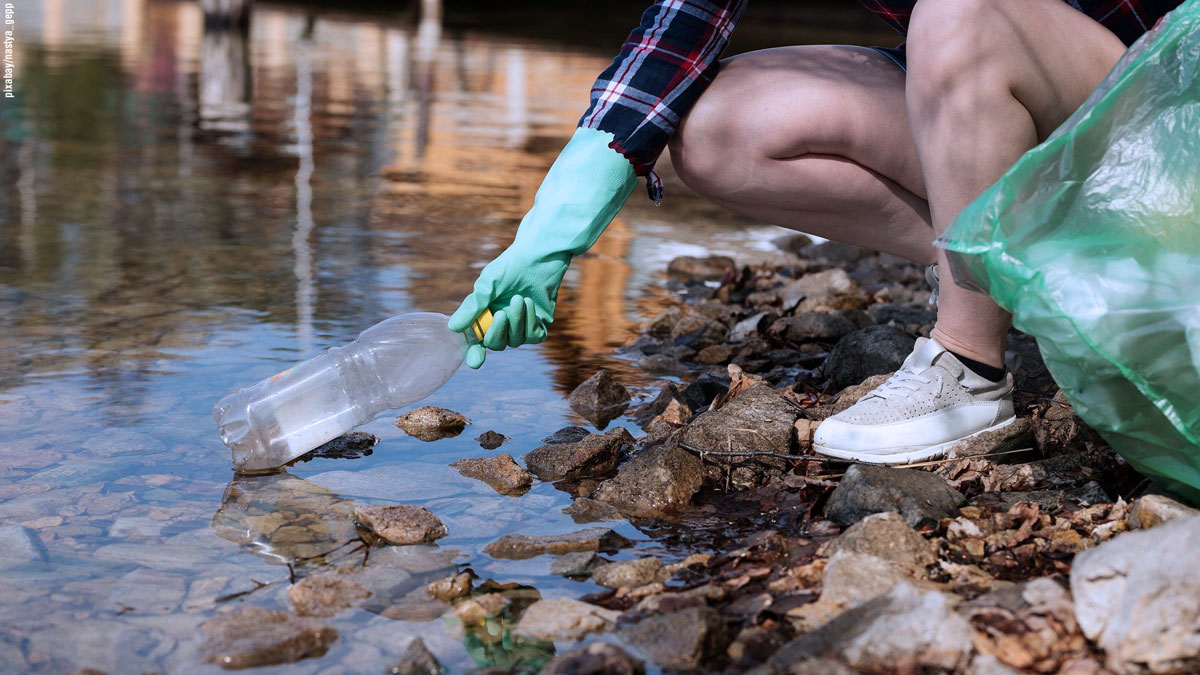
481 324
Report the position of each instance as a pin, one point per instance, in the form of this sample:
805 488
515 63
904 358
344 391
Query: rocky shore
1029 550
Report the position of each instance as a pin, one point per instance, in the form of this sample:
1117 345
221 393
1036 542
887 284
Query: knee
702 145
948 48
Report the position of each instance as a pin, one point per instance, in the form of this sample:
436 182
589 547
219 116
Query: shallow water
186 212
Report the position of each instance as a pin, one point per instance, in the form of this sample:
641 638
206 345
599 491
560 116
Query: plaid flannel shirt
668 61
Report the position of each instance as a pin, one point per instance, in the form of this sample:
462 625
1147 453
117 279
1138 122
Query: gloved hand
579 197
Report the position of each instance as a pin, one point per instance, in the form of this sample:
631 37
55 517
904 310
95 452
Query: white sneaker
930 404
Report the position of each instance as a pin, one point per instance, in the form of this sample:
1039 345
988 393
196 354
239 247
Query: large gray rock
594 455
600 399
906 629
629 573
564 619
657 481
869 351
918 496
598 658
886 535
253 637
401 524
853 578
758 419
522 546
681 640
1137 596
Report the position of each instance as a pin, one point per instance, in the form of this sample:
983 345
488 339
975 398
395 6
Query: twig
258 585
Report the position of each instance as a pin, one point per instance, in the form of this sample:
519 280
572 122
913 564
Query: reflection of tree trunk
225 14
429 34
225 80
306 290
516 99
27 192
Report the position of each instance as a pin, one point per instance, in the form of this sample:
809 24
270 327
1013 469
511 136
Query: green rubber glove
582 192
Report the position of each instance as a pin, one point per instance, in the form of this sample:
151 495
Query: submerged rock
501 472
585 510
600 399
1138 598
417 660
401 524
522 546
918 496
869 351
567 435
655 482
326 594
594 455
681 640
19 545
575 564
476 610
490 440
598 658
254 637
906 629
430 423
347 446
629 573
564 619
451 588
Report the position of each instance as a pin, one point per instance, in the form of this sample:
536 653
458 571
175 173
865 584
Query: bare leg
813 138
987 80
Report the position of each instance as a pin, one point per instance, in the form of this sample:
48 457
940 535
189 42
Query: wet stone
575 564
254 637
600 399
347 446
430 423
476 610
629 573
683 639
522 546
701 391
401 524
655 482
567 435
598 658
592 456
564 619
326 594
417 660
450 588
918 496
663 364
586 510
501 472
710 268
866 352
490 440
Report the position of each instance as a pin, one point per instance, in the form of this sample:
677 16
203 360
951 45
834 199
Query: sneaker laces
901 385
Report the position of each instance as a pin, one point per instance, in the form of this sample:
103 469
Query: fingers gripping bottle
390 365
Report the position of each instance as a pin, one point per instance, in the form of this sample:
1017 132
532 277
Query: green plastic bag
1092 241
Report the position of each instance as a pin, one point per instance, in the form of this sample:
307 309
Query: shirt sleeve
664 66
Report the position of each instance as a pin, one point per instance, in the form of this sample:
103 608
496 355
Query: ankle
991 355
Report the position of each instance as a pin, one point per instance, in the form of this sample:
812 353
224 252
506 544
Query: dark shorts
895 55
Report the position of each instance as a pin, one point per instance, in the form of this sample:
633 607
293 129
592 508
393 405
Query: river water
186 211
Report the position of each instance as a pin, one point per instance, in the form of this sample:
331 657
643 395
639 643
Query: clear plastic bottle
390 365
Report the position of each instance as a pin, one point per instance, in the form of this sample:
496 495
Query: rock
451 588
430 423
567 435
1137 596
715 354
660 325
252 637
629 573
417 660
585 510
827 291
593 456
902 316
564 619
114 441
1058 470
711 268
476 610
657 481
681 640
1051 500
869 351
835 251
792 243
747 327
847 397
598 658
501 472
810 326
401 524
696 331
600 399
347 446
663 364
522 546
575 564
886 535
906 629
1014 436
1151 510
653 408
853 578
701 391
986 664
757 419
326 594
490 440
18 546
917 496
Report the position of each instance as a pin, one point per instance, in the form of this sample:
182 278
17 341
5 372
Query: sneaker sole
907 454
